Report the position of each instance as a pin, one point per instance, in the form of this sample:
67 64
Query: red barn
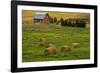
41 18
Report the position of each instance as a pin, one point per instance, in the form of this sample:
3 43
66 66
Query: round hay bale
58 26
42 44
57 36
49 51
65 49
42 40
75 45
50 45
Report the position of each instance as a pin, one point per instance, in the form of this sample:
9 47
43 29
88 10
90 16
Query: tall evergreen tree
51 20
62 21
55 20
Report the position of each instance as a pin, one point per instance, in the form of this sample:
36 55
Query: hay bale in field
42 40
32 29
57 36
65 49
50 51
58 26
75 45
42 44
50 45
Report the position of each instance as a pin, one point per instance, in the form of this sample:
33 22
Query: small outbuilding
41 18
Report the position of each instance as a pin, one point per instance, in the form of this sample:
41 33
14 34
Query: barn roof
40 15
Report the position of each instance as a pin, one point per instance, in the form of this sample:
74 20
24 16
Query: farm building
41 18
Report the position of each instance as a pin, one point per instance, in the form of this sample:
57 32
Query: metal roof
39 15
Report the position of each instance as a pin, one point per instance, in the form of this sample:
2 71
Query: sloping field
31 52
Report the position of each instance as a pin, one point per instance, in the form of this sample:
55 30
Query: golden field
27 15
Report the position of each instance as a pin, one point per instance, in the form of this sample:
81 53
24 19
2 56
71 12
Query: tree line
68 22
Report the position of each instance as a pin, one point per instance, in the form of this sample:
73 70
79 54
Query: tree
73 23
62 22
66 23
51 20
55 20
83 24
80 23
69 22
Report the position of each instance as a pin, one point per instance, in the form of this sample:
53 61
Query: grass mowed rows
31 52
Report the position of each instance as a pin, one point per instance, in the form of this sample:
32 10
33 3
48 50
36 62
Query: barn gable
41 18
40 15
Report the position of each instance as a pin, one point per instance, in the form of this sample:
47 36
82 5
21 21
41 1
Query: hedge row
73 22
69 22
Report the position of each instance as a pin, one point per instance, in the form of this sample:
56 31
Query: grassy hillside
31 52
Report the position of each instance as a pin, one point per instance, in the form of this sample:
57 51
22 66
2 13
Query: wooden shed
41 18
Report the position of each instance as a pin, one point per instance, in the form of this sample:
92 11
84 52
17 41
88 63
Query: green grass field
31 52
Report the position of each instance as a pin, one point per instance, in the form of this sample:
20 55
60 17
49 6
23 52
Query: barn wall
46 19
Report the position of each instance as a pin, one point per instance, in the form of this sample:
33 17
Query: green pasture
31 33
